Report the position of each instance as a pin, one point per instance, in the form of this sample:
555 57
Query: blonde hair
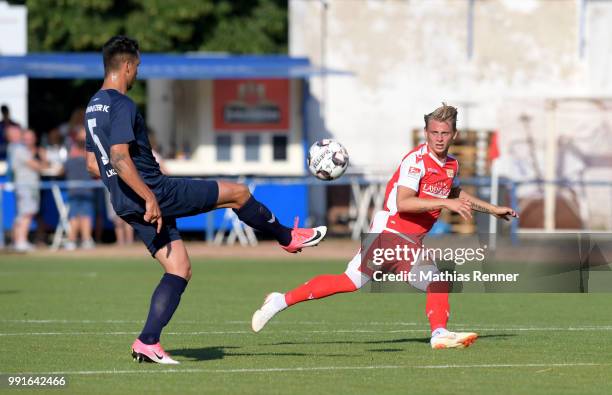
443 114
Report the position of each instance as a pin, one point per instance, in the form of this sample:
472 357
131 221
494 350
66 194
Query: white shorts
378 226
28 200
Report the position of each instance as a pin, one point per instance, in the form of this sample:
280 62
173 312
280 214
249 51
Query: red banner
254 104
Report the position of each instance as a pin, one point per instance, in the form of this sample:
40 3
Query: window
279 148
251 148
224 148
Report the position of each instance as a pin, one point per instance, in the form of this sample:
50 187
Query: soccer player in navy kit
118 151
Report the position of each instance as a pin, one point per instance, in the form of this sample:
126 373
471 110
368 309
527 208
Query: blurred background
241 89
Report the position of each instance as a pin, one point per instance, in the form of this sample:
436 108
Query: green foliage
264 30
159 25
237 26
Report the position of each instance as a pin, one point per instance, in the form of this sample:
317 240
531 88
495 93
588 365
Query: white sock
438 332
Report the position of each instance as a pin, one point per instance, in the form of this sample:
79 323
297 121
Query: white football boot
273 304
444 339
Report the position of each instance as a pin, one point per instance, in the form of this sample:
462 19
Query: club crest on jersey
450 172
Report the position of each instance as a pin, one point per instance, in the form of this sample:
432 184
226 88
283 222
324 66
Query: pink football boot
151 353
304 237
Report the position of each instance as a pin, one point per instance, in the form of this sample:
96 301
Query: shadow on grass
202 354
9 291
388 341
220 352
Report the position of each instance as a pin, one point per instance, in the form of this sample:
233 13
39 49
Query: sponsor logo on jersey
438 189
97 107
414 170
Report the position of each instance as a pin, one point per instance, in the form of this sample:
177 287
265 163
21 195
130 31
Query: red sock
437 307
320 287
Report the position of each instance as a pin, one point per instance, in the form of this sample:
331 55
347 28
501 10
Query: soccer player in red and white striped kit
425 182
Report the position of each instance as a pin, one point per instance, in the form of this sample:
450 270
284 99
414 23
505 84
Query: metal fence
367 193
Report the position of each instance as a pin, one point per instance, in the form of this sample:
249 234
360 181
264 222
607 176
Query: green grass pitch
80 316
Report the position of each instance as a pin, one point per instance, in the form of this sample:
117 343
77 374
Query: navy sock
257 216
164 302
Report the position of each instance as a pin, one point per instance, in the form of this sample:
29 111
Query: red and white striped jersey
421 171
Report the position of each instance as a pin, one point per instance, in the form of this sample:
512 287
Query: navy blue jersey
112 118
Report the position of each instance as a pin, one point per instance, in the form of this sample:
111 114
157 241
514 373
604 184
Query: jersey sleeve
411 172
122 117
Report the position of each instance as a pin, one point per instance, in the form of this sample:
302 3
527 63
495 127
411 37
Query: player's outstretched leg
164 302
316 288
437 309
258 216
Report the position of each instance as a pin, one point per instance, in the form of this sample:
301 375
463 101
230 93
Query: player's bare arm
408 202
92 165
484 207
124 166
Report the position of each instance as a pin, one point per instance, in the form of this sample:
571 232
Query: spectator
124 233
13 139
80 199
4 126
69 129
26 173
54 151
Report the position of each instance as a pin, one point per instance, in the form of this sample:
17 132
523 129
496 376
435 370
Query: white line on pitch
487 327
315 368
118 333
559 329
88 322
373 323
60 321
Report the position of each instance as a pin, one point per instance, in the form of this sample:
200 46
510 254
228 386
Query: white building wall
181 113
408 56
598 47
13 41
160 114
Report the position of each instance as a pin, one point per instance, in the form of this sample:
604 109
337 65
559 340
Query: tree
243 28
237 27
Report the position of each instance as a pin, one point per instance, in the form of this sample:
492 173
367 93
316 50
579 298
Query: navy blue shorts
182 197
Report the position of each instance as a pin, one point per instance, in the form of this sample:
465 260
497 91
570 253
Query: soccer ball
327 159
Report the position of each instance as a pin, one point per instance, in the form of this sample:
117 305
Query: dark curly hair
115 51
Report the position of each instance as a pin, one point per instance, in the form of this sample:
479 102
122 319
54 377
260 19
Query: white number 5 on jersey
91 123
